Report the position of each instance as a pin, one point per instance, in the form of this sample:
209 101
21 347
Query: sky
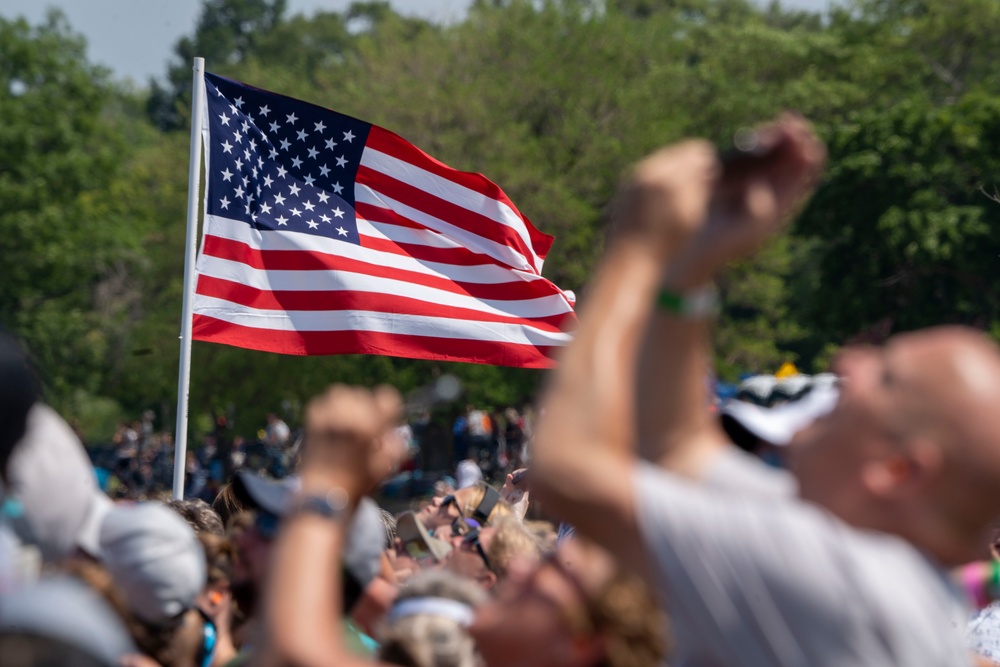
135 38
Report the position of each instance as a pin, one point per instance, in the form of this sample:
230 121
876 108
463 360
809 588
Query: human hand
514 492
665 200
753 202
349 439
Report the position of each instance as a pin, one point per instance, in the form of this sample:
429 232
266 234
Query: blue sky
135 37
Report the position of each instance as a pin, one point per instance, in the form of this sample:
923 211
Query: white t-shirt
753 576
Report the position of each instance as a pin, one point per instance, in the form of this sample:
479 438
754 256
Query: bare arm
346 452
583 450
675 428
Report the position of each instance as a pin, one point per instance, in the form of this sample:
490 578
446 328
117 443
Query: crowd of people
137 464
842 519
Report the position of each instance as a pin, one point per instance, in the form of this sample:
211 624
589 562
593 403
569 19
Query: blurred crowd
847 518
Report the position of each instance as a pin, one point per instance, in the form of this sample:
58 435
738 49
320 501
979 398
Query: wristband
331 505
697 304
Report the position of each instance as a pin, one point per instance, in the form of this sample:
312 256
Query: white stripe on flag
502 253
346 281
389 323
267 240
451 192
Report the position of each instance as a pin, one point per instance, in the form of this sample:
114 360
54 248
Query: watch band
330 505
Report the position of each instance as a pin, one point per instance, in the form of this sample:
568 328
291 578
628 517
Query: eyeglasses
471 539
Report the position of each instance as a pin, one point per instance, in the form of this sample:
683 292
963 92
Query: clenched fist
349 439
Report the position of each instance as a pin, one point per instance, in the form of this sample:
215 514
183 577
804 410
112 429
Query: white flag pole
184 373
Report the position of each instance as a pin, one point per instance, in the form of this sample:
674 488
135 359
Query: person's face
833 458
253 553
442 511
467 557
539 618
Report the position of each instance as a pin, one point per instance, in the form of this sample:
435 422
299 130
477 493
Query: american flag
327 235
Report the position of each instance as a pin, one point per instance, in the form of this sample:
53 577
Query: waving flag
326 235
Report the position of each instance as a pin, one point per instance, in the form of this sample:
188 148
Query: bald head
913 445
950 394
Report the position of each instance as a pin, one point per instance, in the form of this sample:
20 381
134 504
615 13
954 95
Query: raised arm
679 221
583 448
348 449
750 204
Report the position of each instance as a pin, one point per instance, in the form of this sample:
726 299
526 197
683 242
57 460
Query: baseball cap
779 424
66 610
155 558
53 480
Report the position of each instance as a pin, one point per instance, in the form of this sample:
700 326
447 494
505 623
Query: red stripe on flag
304 260
367 342
294 300
458 216
392 144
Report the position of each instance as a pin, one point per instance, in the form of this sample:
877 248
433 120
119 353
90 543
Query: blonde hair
478 493
513 540
427 640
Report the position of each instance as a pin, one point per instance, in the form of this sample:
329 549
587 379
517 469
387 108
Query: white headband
453 610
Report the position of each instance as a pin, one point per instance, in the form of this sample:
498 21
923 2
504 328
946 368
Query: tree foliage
552 100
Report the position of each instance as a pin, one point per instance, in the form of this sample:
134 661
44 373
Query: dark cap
19 390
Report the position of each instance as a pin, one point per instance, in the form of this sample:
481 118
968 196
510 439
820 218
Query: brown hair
199 516
630 621
153 641
219 556
227 505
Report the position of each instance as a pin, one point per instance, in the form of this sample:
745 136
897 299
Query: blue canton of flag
280 164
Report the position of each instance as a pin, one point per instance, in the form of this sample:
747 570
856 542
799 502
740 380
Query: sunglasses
452 500
471 539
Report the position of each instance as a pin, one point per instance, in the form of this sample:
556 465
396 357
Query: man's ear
487 580
905 473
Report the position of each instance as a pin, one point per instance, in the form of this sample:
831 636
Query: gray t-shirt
752 576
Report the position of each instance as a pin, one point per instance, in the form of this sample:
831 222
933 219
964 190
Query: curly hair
630 620
427 640
199 515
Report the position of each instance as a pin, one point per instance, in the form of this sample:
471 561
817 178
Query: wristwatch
330 505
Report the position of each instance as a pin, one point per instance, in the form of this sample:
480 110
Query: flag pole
184 372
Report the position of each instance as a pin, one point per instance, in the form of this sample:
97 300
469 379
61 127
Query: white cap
155 558
52 477
777 425
63 608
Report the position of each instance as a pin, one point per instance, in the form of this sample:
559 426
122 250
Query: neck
939 536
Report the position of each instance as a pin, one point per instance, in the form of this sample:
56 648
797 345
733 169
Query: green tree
909 233
66 243
227 34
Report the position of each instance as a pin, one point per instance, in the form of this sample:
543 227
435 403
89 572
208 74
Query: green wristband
696 304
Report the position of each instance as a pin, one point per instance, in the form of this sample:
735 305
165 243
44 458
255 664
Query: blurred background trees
552 100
